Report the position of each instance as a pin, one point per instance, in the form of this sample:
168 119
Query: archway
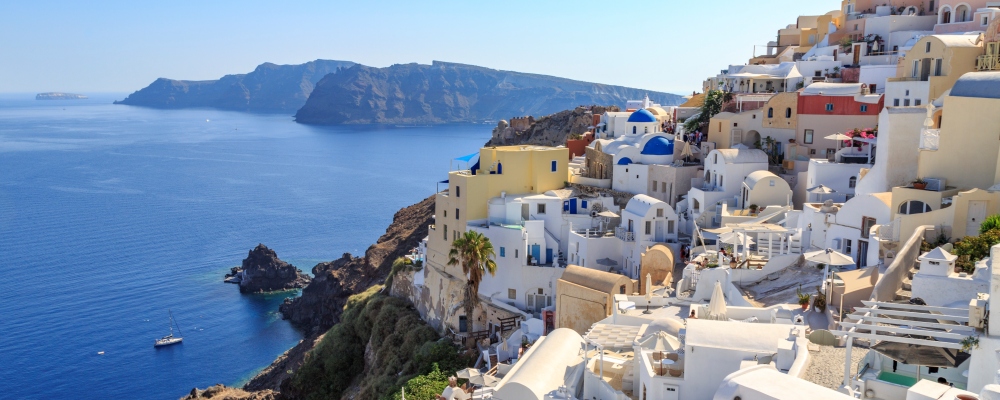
944 16
751 139
962 13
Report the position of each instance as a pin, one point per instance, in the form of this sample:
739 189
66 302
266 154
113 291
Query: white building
725 173
529 234
848 229
645 221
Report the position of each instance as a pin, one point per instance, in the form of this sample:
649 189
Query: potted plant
803 297
712 265
753 209
820 303
969 343
919 184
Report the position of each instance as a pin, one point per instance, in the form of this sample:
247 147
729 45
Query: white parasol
717 304
649 292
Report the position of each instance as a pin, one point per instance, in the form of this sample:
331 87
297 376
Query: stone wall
600 165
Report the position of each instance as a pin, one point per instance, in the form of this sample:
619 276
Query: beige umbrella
828 257
649 292
717 304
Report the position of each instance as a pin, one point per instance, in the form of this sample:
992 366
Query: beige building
764 188
658 262
967 148
585 296
504 170
776 119
931 67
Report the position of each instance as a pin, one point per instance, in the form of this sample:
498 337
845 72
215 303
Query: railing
505 222
930 139
892 280
906 79
889 232
988 63
624 235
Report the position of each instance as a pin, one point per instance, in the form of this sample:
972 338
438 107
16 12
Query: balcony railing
988 63
624 235
930 139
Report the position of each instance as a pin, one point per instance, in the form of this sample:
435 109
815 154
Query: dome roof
658 146
642 115
625 161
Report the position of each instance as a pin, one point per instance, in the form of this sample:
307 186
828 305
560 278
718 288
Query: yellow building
931 67
503 170
968 139
585 296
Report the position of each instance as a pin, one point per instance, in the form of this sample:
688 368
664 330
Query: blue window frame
829 106
583 204
554 165
864 108
503 252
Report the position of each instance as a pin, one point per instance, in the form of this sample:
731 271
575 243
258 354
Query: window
906 102
927 47
907 92
649 227
446 232
654 185
456 213
812 152
446 213
503 251
851 183
515 253
663 187
621 289
931 5
916 102
895 102
463 324
829 107
770 112
864 108
831 152
659 212
866 226
720 180
554 166
512 294
670 227
807 136
541 208
916 67
788 112
847 246
583 203
634 129
937 67
871 88
984 21
914 207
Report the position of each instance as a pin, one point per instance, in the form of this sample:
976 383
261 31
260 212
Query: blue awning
468 157
444 181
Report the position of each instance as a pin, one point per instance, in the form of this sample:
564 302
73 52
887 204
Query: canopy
837 136
829 257
821 189
608 214
607 262
922 355
467 158
717 304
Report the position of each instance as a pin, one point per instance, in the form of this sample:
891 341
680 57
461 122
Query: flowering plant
866 133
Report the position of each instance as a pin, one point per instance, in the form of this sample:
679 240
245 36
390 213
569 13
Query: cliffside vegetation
379 345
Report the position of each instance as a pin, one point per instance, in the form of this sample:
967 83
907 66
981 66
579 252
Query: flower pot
804 306
920 186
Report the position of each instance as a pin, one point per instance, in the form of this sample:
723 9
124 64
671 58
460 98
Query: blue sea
111 215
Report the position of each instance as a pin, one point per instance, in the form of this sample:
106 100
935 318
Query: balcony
930 139
988 63
624 235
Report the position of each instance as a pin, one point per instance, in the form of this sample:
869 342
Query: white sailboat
170 339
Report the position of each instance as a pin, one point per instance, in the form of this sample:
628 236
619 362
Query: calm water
111 215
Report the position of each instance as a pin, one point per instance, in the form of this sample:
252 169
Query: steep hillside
448 92
269 88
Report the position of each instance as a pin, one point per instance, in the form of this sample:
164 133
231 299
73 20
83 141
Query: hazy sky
122 46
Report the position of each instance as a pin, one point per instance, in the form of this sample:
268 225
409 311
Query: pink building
964 15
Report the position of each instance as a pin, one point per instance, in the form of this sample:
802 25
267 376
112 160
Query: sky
122 46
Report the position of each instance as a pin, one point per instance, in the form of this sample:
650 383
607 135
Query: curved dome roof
642 115
658 146
625 161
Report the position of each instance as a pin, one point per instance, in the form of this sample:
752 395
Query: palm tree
475 253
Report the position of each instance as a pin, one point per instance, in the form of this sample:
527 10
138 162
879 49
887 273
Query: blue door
548 256
572 206
536 252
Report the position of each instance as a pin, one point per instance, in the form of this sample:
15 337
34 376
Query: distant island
269 88
326 92
59 96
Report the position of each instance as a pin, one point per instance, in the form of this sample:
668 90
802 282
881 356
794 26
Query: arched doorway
751 139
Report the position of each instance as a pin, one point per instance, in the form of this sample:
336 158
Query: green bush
400 344
990 223
971 249
423 386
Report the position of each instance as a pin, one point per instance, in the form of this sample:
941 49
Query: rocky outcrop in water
448 92
221 392
269 88
263 271
333 282
550 130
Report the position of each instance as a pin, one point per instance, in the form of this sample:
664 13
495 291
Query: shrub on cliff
380 340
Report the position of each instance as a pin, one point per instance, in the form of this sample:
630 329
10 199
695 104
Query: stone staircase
905 292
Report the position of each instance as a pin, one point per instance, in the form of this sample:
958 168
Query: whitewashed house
725 173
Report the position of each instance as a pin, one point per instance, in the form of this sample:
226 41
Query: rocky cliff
269 88
550 130
263 271
448 92
333 282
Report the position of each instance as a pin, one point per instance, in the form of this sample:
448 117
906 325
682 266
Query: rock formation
263 271
221 392
448 92
269 88
550 130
